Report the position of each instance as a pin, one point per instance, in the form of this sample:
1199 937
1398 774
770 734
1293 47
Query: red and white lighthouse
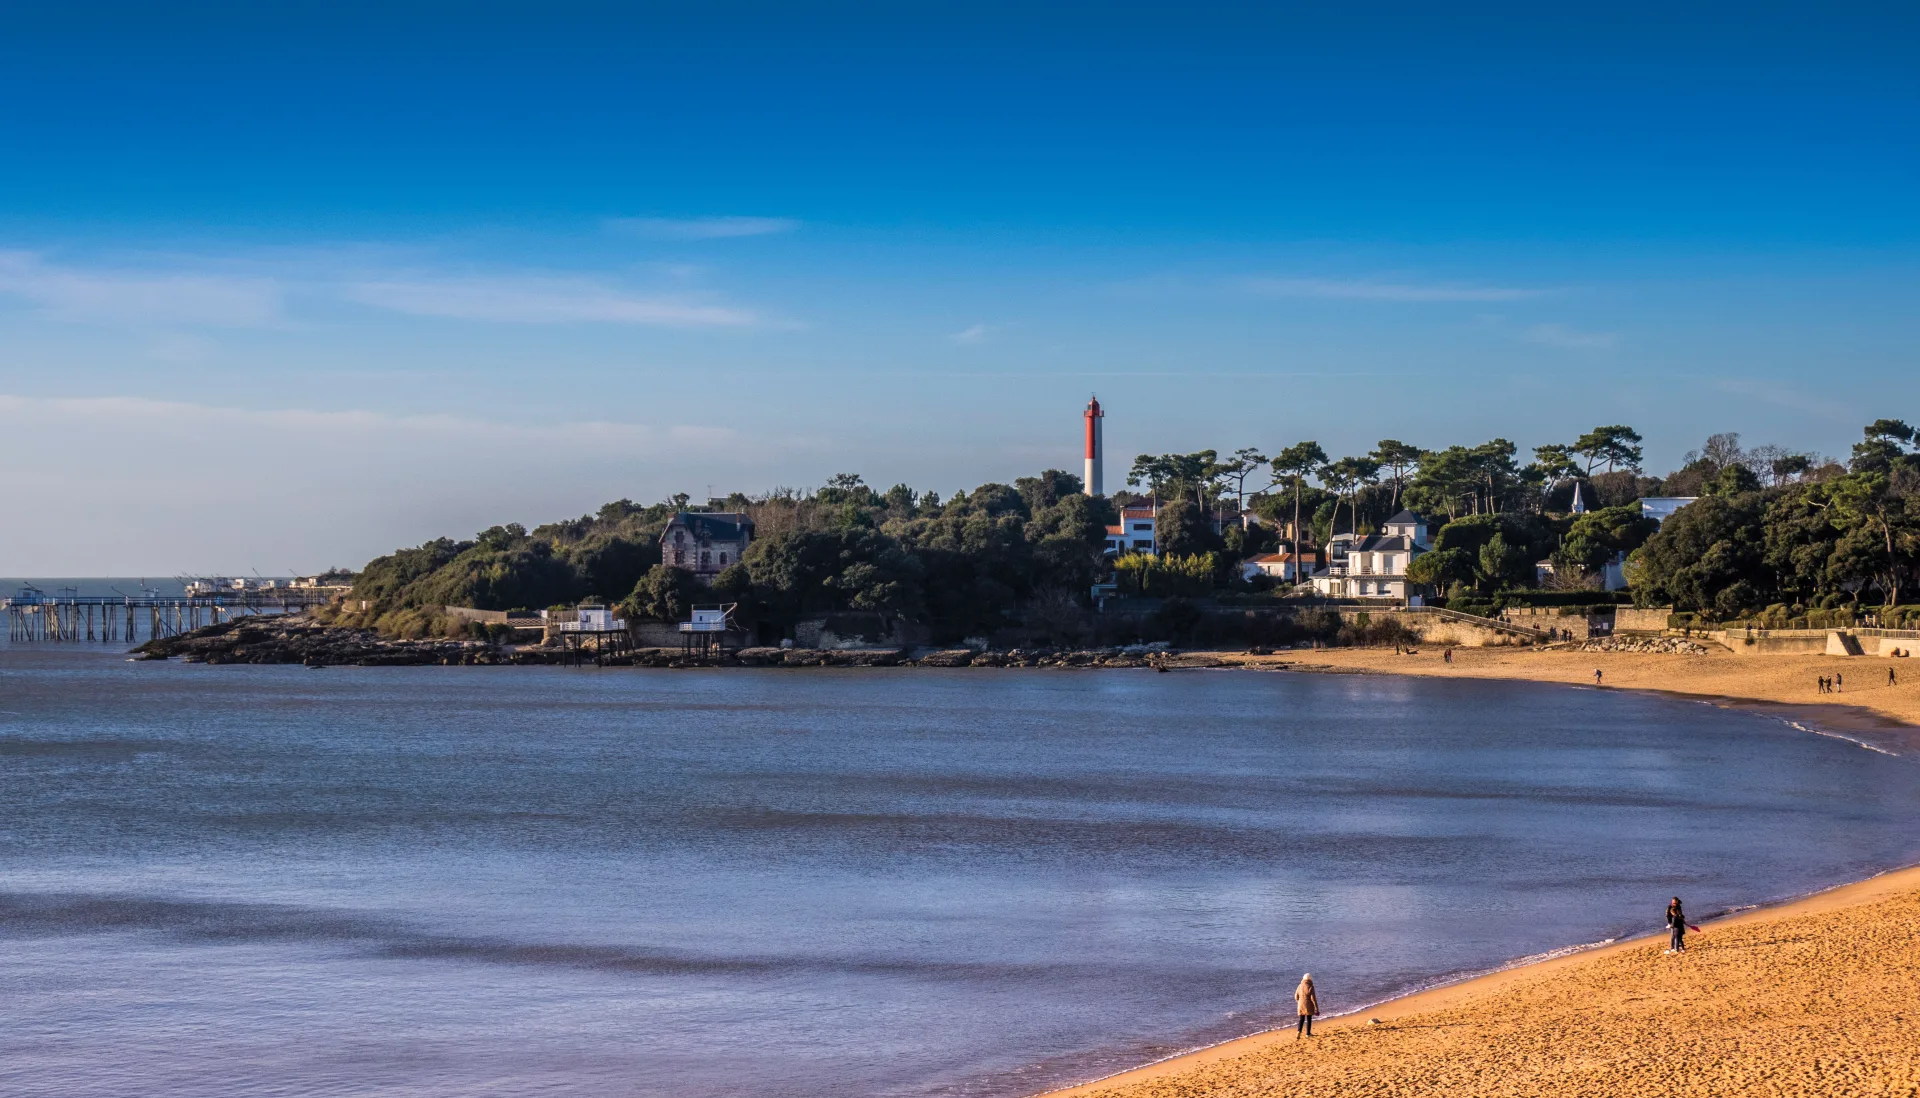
1096 450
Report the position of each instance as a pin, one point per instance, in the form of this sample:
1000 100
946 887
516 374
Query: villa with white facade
1374 566
1134 533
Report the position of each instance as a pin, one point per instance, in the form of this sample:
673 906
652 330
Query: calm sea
532 881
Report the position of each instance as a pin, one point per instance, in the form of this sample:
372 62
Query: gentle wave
214 922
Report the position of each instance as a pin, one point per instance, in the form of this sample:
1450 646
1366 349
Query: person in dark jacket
1676 927
1308 1005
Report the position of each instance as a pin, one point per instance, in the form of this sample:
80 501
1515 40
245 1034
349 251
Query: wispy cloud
541 301
613 436
1372 290
701 228
1559 335
1785 396
969 336
131 296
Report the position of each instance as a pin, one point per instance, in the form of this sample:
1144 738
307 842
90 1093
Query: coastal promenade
1816 997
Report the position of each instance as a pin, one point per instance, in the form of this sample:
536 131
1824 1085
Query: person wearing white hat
1308 1005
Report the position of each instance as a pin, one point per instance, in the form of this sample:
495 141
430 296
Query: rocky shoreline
297 639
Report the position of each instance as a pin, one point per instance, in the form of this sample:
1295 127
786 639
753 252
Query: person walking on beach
1596 676
1676 927
1308 1005
1839 684
1891 681
1447 655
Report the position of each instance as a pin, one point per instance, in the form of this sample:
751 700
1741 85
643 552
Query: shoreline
1780 687
1885 885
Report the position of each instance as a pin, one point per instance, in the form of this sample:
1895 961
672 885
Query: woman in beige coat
1308 1004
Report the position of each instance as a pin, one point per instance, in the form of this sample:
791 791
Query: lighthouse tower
1096 449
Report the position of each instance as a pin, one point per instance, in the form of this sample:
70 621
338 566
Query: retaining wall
1633 619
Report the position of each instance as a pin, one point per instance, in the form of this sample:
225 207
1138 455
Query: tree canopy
1772 530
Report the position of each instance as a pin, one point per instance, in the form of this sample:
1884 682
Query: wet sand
1820 996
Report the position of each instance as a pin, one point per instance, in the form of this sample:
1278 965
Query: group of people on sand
1837 684
1306 1000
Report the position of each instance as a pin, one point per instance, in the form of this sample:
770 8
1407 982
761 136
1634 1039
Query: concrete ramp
1843 644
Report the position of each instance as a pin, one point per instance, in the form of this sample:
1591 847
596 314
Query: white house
1374 566
587 619
1137 530
1285 565
1134 533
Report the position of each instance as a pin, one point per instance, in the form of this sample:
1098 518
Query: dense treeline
965 566
1774 549
1776 535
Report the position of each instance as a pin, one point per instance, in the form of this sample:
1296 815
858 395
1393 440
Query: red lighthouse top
1093 408
1093 415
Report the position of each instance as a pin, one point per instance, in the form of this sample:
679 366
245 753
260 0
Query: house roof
1406 518
713 525
1382 543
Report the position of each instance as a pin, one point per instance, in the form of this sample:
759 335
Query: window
679 556
1139 526
706 558
723 560
1143 543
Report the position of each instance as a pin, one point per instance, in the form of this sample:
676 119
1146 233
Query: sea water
545 881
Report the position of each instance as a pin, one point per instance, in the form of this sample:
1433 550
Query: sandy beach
1817 997
1782 685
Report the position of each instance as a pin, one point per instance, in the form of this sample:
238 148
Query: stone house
706 543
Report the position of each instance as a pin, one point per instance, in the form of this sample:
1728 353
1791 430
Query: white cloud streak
541 301
1370 290
971 336
136 297
701 228
187 416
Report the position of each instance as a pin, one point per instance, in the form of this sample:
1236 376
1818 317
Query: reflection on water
516 881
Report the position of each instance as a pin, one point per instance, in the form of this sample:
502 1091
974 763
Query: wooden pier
34 615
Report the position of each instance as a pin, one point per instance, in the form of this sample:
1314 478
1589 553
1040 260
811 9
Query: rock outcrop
299 639
1662 645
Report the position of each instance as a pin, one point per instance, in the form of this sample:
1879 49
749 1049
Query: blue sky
284 288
